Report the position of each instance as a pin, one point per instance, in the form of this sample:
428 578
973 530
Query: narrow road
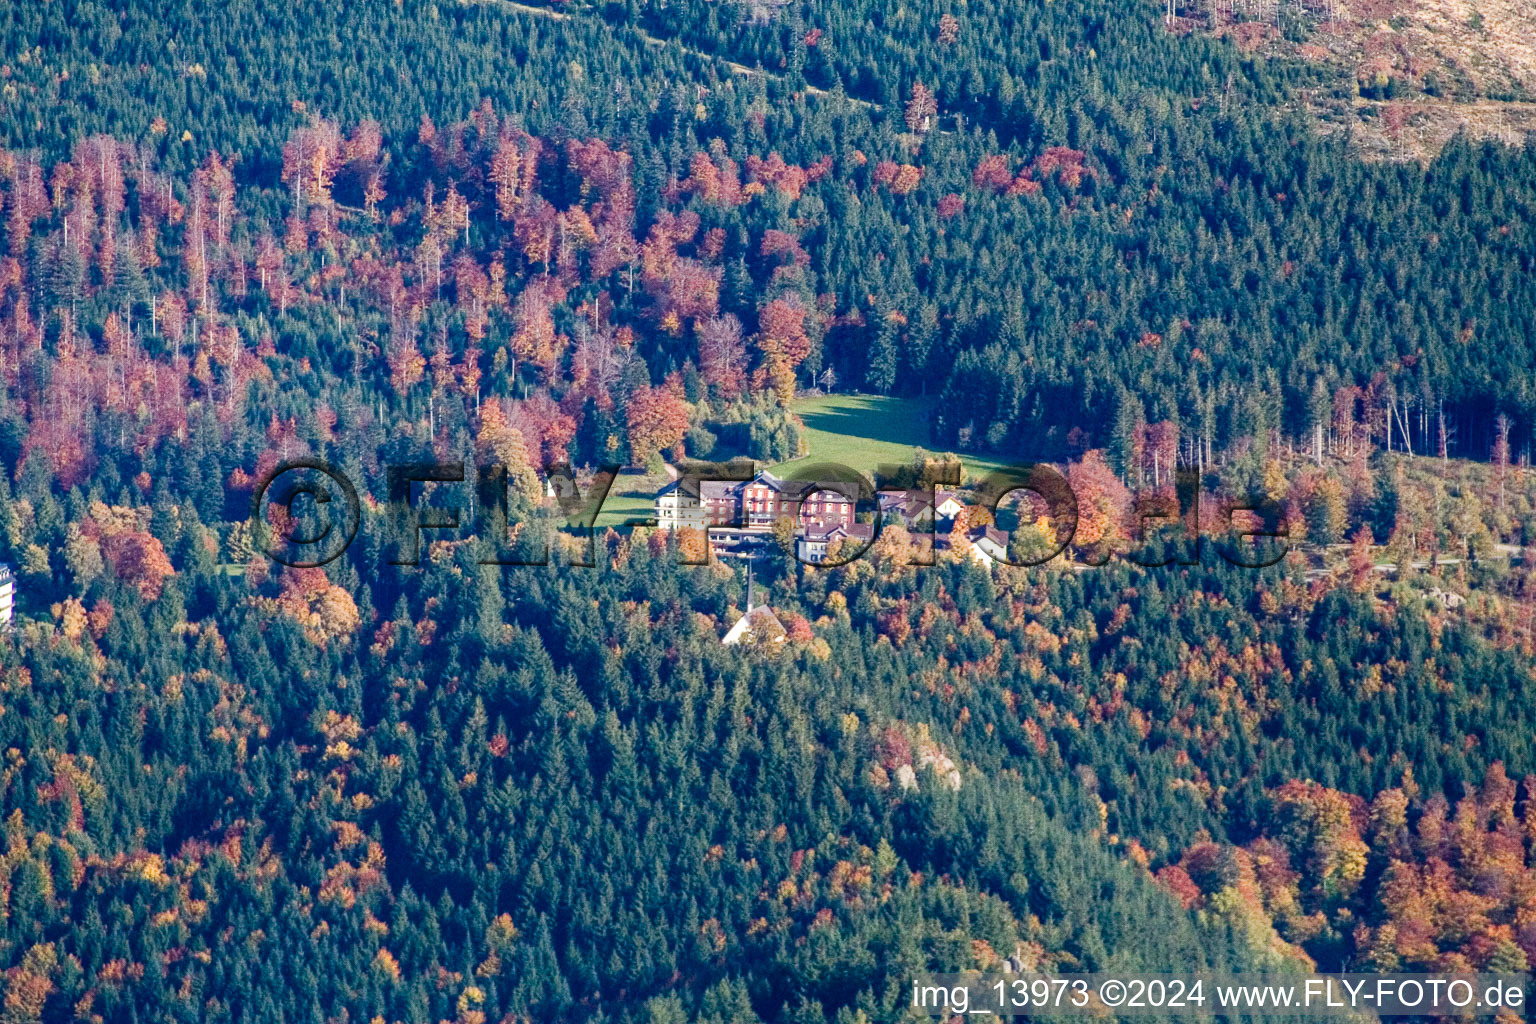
1514 552
650 40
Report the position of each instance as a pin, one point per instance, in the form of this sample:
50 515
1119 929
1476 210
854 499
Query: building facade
677 508
754 504
740 513
814 542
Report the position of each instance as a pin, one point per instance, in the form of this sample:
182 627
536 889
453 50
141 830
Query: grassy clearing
633 496
864 431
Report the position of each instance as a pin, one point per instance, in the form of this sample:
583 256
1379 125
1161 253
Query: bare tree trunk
1501 429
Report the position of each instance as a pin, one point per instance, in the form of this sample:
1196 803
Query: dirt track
735 67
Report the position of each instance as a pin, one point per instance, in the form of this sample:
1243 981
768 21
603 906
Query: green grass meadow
865 431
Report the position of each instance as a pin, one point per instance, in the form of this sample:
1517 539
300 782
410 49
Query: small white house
948 507
920 510
989 546
812 543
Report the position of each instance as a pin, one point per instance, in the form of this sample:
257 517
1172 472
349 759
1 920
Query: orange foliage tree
783 342
657 419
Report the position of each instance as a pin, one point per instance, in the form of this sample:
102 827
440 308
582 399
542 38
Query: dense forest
1137 229
386 233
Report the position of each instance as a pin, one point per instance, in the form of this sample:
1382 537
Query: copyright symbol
315 527
1112 992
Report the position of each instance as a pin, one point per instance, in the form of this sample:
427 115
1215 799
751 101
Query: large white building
678 506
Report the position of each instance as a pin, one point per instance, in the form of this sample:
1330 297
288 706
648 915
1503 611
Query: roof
759 621
831 531
905 496
695 488
722 490
909 503
913 503
989 537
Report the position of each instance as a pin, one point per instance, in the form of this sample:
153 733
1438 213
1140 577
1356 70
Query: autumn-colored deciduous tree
311 158
716 181
921 108
1433 890
1320 827
723 354
453 215
533 226
534 337
1327 512
683 288
901 179
1362 561
323 610
908 176
545 426
783 342
605 172
993 172
406 364
504 445
693 547
1063 162
514 171
657 419
783 247
775 173
217 176
28 986
135 555
1177 881
1103 502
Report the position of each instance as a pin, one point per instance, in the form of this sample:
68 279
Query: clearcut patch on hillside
1411 74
